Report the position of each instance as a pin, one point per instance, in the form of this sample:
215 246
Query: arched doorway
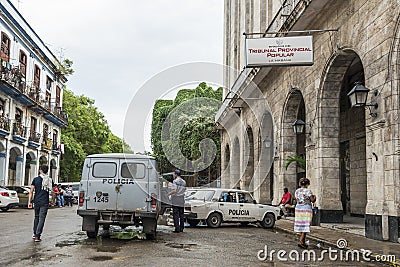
2 164
53 169
226 170
247 182
342 142
235 166
30 168
15 167
292 144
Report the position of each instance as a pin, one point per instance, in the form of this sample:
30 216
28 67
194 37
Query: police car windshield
206 195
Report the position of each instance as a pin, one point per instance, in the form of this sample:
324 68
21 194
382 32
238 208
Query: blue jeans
40 217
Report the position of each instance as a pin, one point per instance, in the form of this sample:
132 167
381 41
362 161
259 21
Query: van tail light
4 194
153 201
81 198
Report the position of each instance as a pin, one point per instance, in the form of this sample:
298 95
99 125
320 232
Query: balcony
4 127
19 132
46 144
12 82
34 140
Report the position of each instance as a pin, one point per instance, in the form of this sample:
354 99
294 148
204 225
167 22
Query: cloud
117 45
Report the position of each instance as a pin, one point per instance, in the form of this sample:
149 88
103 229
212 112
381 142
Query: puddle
101 258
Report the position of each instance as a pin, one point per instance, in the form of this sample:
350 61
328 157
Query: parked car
217 205
119 189
8 199
23 194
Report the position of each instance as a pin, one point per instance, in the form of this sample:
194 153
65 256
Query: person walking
42 187
303 210
178 201
61 190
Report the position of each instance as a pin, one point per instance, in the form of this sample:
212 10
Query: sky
118 45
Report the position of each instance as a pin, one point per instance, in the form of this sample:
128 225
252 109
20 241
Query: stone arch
235 166
289 141
43 160
339 137
15 166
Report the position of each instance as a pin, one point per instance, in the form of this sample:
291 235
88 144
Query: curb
324 243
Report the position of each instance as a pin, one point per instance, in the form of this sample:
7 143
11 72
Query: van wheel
93 234
268 221
4 209
193 223
214 220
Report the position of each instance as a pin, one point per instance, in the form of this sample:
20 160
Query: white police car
217 205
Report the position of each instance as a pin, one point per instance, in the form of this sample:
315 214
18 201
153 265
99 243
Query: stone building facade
31 92
352 153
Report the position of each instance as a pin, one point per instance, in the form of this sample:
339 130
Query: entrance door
345 176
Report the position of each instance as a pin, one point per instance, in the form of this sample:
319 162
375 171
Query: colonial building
352 153
31 88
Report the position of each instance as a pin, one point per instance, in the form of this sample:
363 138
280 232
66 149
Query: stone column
3 158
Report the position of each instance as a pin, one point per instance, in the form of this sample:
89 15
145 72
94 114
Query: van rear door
103 179
133 187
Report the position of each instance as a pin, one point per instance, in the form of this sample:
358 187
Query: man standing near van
178 201
42 186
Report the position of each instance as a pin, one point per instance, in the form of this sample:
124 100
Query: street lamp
298 126
358 98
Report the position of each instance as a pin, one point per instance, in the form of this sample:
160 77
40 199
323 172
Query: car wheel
214 220
193 223
4 209
268 220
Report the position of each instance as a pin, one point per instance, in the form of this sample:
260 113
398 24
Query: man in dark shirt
178 201
42 186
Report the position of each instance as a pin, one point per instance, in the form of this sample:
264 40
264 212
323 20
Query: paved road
65 245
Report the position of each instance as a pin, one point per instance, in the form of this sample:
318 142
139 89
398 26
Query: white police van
119 189
217 205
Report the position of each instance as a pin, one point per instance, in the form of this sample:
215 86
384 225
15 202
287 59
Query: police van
217 205
119 189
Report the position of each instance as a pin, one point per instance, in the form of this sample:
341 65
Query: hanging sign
280 51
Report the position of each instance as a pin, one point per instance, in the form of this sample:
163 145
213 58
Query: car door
133 185
228 205
248 209
102 183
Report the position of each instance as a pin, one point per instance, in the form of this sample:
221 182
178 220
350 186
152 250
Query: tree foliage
192 124
298 160
87 133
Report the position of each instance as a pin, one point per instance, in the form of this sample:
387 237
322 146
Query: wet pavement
64 244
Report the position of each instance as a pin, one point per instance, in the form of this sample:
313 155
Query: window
2 107
33 124
133 170
58 96
245 197
205 195
18 115
5 46
36 78
49 83
228 197
104 170
55 136
48 100
22 62
45 132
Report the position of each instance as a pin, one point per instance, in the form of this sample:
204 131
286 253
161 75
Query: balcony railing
35 137
19 129
14 77
5 124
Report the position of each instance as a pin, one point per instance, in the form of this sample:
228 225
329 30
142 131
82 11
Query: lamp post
298 126
358 98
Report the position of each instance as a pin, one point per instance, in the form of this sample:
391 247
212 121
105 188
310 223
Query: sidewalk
328 237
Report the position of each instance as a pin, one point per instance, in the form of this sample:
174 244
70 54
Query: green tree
87 133
196 127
